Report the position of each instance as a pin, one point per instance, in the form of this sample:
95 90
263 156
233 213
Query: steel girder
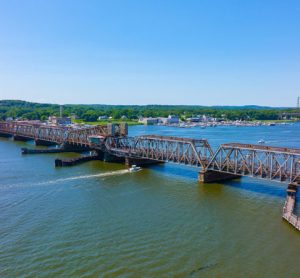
187 151
56 134
273 163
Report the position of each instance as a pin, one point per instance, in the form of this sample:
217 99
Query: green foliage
90 113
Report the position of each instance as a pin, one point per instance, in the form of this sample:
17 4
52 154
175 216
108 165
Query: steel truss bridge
264 162
228 161
186 151
53 134
257 161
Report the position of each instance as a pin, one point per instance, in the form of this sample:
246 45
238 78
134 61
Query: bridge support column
140 161
292 189
39 142
21 138
107 157
210 176
74 148
288 210
75 161
6 135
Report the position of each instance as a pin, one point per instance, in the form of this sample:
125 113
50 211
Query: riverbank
231 123
129 122
200 124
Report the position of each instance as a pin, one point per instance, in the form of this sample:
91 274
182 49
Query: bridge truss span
55 134
193 152
266 162
81 136
234 159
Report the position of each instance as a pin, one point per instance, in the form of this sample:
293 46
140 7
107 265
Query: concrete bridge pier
211 176
21 138
292 189
288 210
39 142
6 135
74 148
140 161
43 151
107 157
63 148
76 161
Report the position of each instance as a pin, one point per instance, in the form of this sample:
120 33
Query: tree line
17 109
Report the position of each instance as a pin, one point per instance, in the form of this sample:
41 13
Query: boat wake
102 175
82 177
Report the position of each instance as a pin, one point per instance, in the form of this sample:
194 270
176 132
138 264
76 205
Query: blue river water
98 220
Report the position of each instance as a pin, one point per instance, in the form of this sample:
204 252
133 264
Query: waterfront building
149 121
60 120
193 120
172 119
103 118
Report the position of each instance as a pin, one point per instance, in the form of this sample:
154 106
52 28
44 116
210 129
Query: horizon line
151 104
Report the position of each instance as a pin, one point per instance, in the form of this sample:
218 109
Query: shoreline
231 123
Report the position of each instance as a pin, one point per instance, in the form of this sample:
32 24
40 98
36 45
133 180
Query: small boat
262 141
134 168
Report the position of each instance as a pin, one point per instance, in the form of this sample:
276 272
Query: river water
98 220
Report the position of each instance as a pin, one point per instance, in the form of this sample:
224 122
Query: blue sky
206 52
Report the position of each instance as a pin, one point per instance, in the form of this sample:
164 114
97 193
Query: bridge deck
55 134
256 161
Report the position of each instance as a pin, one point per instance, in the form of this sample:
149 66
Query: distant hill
250 107
21 103
91 112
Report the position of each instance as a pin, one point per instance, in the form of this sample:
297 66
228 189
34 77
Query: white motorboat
262 141
134 168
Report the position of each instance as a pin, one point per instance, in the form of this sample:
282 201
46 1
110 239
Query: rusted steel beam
162 148
55 134
265 162
273 163
260 147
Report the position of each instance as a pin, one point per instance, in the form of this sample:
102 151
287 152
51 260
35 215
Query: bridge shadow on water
257 186
269 188
178 171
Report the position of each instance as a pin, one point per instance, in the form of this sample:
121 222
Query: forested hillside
33 111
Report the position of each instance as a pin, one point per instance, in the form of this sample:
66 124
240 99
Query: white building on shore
171 120
60 120
149 121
